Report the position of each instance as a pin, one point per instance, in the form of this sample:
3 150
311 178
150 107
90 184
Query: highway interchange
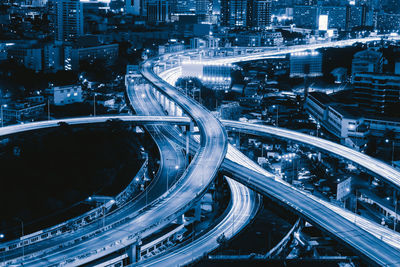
206 162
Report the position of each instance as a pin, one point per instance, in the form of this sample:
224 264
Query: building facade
378 93
74 55
63 95
158 11
67 16
367 61
260 14
349 123
234 13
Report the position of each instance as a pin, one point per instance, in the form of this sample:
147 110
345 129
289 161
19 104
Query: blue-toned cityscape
199 133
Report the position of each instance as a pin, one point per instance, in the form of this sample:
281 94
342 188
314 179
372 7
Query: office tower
158 11
377 92
203 7
259 14
336 16
358 16
234 13
306 16
184 6
67 19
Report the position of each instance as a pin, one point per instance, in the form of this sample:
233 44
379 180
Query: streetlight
277 114
48 109
387 141
395 210
4 253
2 118
94 104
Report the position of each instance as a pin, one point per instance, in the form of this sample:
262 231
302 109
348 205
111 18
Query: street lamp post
277 114
392 152
146 194
94 105
2 116
387 141
48 109
395 210
262 150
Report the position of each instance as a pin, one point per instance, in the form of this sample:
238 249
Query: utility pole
94 104
395 210
48 109
2 117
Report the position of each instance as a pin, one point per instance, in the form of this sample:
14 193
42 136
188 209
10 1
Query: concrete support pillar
134 251
172 108
237 140
168 105
189 129
162 101
197 211
178 111
180 219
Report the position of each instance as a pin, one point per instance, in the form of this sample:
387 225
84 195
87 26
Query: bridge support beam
180 219
133 251
197 211
188 130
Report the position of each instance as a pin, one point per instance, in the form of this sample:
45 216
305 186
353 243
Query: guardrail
278 248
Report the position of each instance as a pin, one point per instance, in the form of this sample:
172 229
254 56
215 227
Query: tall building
184 6
388 22
234 13
305 16
203 7
336 16
246 13
67 19
357 16
259 13
158 11
377 92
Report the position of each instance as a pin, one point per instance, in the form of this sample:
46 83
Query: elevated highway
263 181
348 238
379 168
211 152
